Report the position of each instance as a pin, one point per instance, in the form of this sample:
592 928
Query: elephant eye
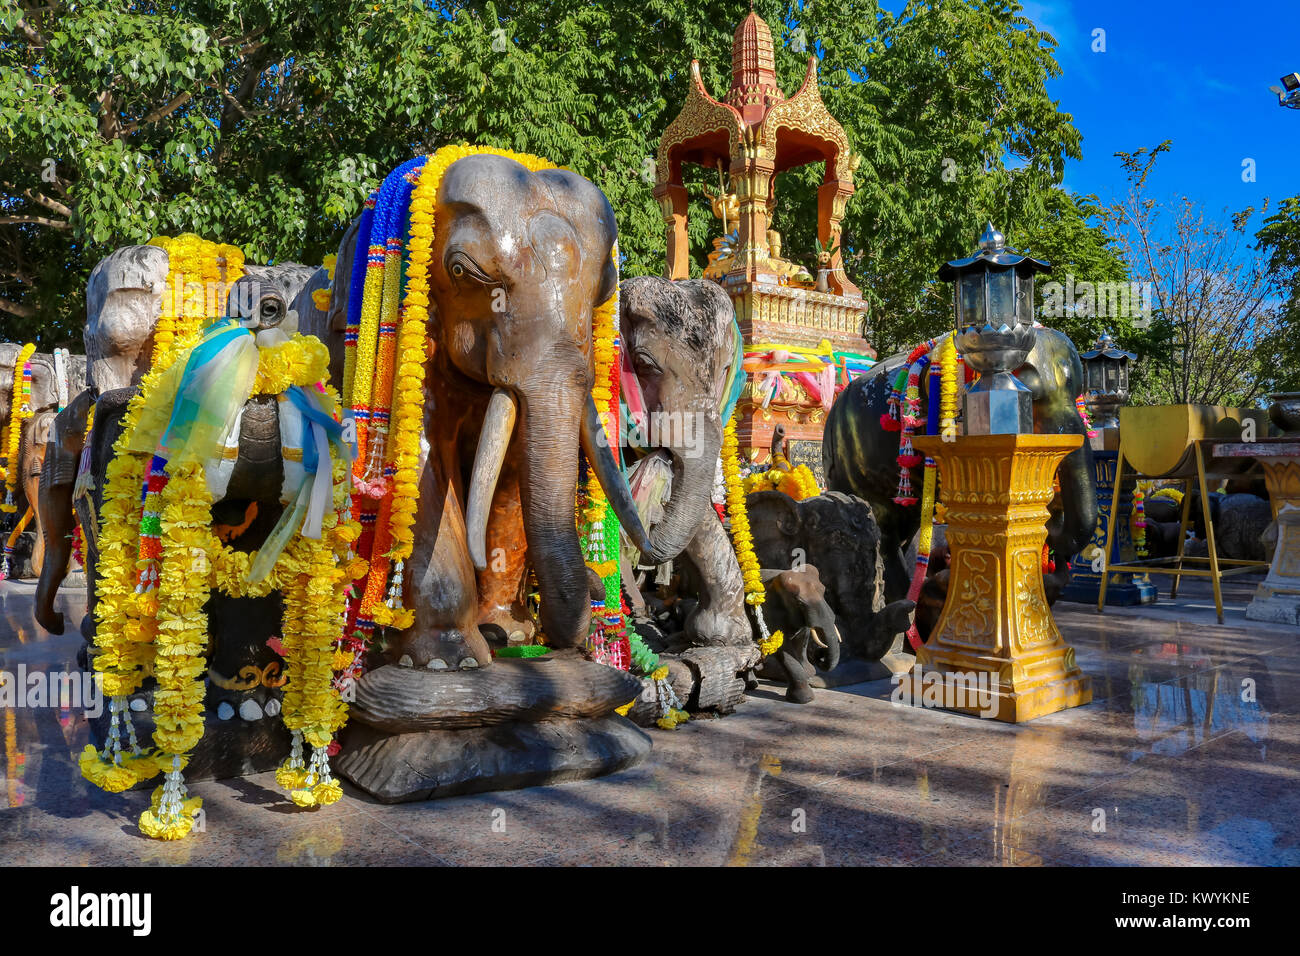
461 266
646 363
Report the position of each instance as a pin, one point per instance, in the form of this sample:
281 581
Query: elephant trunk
493 442
685 508
549 429
823 639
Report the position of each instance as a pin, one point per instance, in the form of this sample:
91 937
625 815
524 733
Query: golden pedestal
996 634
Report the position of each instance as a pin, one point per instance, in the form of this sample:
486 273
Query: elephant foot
508 625
52 621
443 649
799 693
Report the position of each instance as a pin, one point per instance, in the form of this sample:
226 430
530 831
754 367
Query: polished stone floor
1188 755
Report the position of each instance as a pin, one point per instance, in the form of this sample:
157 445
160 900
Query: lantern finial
991 240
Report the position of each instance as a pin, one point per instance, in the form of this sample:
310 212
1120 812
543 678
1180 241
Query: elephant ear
774 508
578 199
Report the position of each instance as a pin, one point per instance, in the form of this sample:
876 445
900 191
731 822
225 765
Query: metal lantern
994 313
1105 372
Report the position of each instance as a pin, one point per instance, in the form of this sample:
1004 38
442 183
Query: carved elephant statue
838 534
123 306
796 605
244 670
520 261
51 384
681 342
859 456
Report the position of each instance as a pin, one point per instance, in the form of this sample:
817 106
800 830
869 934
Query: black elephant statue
859 457
837 533
245 672
796 606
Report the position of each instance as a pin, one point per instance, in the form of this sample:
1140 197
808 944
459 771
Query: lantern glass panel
1002 297
970 299
1123 374
1112 374
1025 299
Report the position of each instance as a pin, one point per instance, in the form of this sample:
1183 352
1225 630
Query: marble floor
1189 754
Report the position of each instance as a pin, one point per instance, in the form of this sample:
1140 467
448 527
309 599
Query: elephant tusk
596 447
817 639
498 426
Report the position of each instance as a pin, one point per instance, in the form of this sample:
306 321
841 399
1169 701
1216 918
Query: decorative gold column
996 631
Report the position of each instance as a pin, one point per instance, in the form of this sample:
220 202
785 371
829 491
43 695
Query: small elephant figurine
837 533
796 605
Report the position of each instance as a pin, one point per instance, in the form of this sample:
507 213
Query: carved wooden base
996 636
442 763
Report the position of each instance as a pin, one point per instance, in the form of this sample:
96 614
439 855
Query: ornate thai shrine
803 333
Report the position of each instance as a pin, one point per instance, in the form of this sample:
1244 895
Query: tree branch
34 221
162 112
18 309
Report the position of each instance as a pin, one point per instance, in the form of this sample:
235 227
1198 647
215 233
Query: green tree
1279 239
265 123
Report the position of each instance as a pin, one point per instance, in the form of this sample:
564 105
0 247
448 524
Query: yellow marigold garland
20 409
741 536
947 387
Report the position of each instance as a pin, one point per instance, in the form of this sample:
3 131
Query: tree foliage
265 123
1279 239
1217 315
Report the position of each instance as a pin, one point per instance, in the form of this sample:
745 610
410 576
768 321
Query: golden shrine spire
753 70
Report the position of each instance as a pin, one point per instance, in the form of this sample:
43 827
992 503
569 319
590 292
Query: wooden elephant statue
520 261
683 350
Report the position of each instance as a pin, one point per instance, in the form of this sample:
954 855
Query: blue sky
1193 71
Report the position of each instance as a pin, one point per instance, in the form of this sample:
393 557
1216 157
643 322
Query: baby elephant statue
796 604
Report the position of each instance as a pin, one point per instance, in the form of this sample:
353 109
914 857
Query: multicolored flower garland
151 618
1140 523
20 409
609 642
947 371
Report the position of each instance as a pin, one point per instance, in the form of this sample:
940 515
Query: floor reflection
1189 750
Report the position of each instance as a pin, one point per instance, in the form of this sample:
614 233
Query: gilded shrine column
751 174
832 199
996 651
